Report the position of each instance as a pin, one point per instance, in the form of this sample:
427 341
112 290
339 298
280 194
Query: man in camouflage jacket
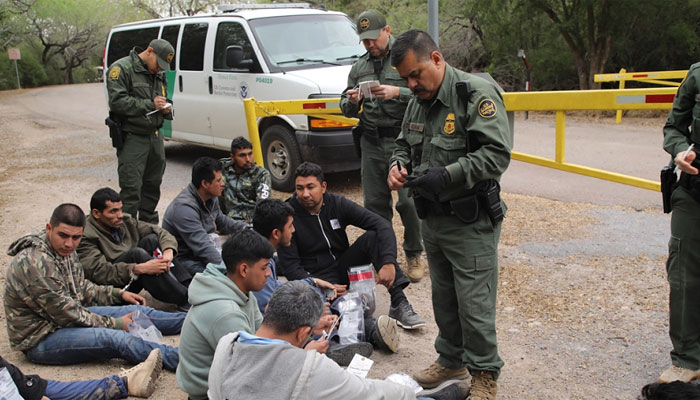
246 183
52 310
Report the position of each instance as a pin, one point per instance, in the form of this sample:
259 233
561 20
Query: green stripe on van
167 129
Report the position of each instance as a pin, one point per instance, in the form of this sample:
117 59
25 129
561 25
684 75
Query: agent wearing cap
380 122
136 86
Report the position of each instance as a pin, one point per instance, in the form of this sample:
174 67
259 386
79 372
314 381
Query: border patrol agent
455 142
683 266
380 123
136 86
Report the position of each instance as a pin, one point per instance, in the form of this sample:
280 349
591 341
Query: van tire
281 156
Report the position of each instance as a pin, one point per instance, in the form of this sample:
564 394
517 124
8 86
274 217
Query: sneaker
454 389
436 374
674 373
484 387
343 354
405 316
141 379
386 334
415 268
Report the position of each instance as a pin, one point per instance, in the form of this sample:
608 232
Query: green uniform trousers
141 164
377 195
683 267
463 262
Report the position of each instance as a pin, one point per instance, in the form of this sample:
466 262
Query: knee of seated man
138 255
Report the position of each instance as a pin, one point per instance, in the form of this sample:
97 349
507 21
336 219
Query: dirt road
583 297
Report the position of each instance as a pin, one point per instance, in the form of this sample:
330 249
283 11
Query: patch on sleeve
114 73
487 108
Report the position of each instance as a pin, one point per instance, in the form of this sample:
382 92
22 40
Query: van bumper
334 151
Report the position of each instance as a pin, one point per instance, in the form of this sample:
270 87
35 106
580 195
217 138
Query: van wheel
281 156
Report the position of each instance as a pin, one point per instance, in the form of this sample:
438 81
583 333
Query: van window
194 38
232 34
308 41
170 34
122 42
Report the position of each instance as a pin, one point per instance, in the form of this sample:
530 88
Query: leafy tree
172 8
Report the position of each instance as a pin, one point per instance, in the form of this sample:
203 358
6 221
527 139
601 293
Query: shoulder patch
487 108
114 72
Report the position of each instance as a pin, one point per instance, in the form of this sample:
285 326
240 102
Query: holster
357 132
370 134
421 203
489 193
115 131
466 208
668 184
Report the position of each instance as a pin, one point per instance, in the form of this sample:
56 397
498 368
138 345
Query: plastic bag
362 282
403 379
142 327
216 239
352 323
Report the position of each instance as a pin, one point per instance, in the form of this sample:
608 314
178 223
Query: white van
274 52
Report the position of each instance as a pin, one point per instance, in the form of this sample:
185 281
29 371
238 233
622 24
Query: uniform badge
170 57
449 124
364 23
114 73
487 108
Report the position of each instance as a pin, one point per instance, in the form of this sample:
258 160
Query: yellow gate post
253 132
560 137
618 117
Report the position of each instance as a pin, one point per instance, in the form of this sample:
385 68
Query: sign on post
14 54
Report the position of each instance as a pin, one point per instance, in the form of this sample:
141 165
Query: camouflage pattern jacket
243 191
45 291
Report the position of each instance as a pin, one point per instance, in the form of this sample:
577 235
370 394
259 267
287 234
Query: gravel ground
582 309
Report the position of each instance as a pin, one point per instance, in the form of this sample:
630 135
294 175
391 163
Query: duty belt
389 131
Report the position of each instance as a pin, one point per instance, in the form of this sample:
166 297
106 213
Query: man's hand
127 320
386 92
168 258
386 275
684 160
319 345
323 285
354 95
340 290
433 180
156 266
397 177
324 324
132 298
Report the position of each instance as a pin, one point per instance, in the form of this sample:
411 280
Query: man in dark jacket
196 220
320 245
122 251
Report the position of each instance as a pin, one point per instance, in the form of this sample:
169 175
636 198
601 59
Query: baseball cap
164 51
369 24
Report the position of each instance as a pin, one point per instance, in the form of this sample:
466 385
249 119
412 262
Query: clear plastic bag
352 323
216 239
142 327
362 282
403 379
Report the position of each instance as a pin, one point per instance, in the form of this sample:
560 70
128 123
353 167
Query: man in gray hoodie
243 362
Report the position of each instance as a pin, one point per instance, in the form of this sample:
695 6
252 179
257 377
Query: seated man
222 303
320 246
52 310
271 365
246 183
139 381
118 250
195 219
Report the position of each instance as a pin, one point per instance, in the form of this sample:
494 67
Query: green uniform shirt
363 70
436 133
682 126
243 191
131 88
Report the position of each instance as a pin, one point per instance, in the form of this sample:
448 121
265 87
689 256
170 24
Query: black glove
433 180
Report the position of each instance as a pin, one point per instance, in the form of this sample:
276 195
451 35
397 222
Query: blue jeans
99 389
77 345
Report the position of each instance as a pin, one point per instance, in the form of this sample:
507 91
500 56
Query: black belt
390 131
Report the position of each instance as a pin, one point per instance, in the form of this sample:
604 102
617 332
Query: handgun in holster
357 131
668 184
489 196
115 130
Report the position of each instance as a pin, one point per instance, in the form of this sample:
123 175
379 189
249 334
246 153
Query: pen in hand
685 154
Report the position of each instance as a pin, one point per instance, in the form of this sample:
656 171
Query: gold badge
487 108
114 73
170 57
364 23
449 124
